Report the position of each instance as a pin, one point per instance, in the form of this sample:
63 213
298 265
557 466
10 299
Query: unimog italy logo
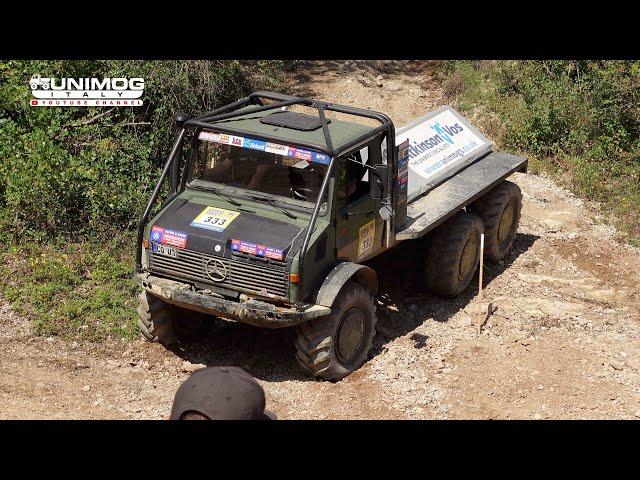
86 92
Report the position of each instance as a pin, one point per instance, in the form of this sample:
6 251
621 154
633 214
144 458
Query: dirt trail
563 343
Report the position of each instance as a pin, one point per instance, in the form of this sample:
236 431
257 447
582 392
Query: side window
383 149
357 175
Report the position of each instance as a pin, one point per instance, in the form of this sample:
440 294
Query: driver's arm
220 170
256 179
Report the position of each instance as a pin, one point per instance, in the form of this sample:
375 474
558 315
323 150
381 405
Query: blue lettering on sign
443 134
254 144
440 131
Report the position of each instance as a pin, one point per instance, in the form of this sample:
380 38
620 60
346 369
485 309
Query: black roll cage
256 98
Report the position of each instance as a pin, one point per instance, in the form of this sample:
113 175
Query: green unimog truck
274 209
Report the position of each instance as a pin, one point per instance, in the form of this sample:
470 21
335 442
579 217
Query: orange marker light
294 278
145 243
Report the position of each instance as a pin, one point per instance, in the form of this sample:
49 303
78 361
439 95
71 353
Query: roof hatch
294 120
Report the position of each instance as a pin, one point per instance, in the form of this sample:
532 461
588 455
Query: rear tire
500 212
332 347
453 255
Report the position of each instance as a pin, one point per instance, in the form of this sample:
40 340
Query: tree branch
92 119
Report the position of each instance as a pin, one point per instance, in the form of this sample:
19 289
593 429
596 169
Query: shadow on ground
402 306
404 303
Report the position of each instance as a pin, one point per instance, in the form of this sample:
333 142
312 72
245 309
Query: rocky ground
564 341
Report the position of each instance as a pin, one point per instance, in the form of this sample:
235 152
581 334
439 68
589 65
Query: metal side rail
428 211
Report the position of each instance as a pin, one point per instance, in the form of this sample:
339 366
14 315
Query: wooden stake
481 314
481 262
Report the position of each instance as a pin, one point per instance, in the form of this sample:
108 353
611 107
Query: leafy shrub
580 119
87 172
74 181
73 290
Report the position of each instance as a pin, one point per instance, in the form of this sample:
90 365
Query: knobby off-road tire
453 254
499 210
167 324
155 319
332 347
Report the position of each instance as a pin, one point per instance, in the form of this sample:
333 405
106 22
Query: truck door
359 227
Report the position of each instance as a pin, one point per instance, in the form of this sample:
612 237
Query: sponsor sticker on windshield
278 149
254 144
321 158
214 218
209 136
221 138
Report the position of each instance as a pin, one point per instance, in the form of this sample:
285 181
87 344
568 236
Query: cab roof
341 132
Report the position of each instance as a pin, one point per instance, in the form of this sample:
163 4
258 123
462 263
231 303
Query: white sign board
440 144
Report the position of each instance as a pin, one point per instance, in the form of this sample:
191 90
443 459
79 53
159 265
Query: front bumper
252 312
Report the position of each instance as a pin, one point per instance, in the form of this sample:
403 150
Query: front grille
241 275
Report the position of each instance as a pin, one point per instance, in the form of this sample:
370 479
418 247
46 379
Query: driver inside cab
247 169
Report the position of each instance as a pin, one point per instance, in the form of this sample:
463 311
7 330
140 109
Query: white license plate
164 250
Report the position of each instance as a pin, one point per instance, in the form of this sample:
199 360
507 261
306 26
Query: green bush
74 290
87 172
580 119
74 181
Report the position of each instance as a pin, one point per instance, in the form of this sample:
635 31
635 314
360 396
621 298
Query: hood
216 231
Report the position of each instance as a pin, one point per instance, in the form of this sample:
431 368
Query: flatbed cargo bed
431 209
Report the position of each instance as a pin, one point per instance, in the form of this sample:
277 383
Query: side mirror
385 212
379 177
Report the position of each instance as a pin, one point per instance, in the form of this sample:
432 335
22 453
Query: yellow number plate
366 236
214 218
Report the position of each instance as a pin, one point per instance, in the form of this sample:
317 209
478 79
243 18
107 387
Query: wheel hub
350 335
467 259
506 221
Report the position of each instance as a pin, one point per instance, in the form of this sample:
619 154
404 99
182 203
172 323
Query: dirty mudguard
252 312
341 274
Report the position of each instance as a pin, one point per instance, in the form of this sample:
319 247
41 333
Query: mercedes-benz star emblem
215 270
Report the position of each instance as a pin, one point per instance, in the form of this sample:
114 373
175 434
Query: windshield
259 166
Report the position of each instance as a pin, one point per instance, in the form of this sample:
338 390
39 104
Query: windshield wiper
275 205
214 190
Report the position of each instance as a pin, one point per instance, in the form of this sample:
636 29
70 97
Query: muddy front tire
500 212
453 254
155 320
332 347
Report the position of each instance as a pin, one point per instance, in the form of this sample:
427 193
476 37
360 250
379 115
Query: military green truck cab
271 213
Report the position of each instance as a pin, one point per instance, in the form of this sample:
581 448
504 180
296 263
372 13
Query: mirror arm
349 214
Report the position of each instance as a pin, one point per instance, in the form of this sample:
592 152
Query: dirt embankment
563 343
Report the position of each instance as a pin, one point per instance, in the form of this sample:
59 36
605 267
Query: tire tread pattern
315 349
443 254
490 207
155 319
